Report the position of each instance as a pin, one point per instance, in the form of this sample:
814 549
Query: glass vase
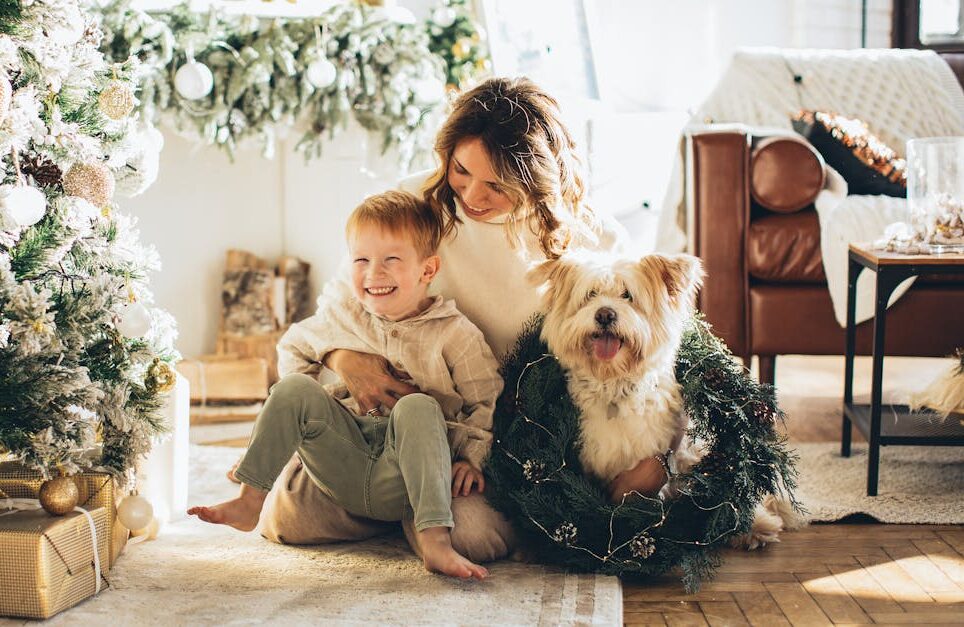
935 192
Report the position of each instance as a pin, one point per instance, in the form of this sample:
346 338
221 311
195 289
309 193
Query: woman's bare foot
241 513
439 556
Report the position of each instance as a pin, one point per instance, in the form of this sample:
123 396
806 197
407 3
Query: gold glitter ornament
6 95
93 182
160 377
116 101
59 495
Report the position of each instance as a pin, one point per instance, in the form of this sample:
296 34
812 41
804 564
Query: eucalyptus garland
372 64
534 476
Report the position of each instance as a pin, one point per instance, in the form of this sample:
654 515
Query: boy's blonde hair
399 213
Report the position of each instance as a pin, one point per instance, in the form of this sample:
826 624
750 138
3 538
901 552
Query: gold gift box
96 489
47 562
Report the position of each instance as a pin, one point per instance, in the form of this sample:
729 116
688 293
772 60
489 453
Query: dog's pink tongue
606 346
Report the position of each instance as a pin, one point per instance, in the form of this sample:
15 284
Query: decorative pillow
870 167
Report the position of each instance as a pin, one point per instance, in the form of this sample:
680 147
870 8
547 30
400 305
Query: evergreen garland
390 71
534 476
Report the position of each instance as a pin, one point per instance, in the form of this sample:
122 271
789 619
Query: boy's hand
464 477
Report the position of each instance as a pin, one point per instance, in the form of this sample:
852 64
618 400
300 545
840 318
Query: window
934 24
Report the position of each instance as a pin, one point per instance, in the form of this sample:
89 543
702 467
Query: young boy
378 465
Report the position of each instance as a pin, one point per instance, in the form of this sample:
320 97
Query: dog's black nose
605 316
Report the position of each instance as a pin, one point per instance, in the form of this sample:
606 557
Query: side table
906 428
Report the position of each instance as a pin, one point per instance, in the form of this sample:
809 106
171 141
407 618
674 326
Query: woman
509 193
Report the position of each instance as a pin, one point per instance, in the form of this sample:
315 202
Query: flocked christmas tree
84 357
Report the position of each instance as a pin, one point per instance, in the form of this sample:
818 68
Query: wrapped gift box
96 490
226 378
47 562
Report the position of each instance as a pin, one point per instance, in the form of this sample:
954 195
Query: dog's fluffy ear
552 274
542 272
682 275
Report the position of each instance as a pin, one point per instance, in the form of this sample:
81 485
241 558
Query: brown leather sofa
765 292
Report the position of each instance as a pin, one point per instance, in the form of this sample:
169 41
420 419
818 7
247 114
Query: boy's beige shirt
439 351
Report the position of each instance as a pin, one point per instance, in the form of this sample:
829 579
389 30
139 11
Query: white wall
661 58
668 55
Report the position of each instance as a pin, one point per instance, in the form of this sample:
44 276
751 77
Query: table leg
853 271
887 280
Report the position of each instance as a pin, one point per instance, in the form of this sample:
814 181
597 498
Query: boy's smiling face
389 276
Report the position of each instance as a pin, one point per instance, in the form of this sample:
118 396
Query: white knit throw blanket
899 94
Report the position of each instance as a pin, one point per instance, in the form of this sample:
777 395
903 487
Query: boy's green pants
373 466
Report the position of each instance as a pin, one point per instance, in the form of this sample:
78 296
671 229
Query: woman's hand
646 477
464 477
368 378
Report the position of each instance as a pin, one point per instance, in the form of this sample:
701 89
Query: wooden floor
823 575
826 574
841 573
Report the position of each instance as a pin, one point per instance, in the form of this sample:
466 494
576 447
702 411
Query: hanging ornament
462 48
116 101
321 73
92 181
193 80
160 377
42 170
6 95
135 321
444 16
135 512
59 495
428 91
25 204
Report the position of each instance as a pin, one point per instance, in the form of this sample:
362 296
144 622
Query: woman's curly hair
531 152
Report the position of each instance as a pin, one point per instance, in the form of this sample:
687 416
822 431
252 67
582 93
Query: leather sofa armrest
718 204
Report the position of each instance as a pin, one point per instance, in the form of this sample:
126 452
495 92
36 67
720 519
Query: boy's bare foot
241 513
439 556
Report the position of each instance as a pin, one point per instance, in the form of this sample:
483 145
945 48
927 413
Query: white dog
615 325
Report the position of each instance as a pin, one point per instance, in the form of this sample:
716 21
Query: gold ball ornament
135 512
461 48
93 182
116 101
59 495
6 96
160 376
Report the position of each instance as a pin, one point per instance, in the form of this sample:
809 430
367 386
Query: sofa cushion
786 173
785 248
869 166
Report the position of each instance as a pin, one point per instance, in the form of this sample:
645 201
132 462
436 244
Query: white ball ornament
444 16
135 321
321 73
25 204
428 91
135 512
193 80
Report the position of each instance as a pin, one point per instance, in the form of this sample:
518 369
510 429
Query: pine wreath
534 476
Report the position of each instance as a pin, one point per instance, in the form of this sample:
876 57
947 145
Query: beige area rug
918 484
196 573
